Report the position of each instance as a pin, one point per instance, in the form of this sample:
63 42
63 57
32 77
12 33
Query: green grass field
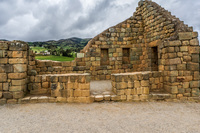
38 49
54 58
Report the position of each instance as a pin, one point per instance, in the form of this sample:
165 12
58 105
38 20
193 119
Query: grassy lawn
54 58
38 49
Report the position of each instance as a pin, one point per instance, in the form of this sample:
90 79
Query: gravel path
153 117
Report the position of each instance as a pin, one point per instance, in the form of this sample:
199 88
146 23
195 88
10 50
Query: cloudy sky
41 20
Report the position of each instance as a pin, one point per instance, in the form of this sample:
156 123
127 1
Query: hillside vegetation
74 44
61 50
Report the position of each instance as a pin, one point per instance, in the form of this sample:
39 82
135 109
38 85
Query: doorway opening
104 57
154 58
126 56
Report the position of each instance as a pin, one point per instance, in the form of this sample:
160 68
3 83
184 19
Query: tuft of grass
54 58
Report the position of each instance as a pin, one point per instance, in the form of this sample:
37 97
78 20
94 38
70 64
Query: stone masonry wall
67 87
181 65
152 41
136 86
13 71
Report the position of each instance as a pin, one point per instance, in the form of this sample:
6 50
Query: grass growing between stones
54 58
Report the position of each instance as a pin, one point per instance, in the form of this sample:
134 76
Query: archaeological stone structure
150 56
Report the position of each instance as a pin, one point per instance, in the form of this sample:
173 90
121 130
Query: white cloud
32 20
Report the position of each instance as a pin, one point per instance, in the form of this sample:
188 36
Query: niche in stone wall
104 57
154 58
126 56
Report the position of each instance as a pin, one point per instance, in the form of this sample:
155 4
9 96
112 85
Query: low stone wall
53 67
69 87
136 86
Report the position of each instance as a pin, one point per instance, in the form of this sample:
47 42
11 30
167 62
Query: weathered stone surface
194 50
17 61
49 63
36 86
66 64
17 75
5 86
184 48
6 68
61 99
195 58
17 54
193 66
43 99
174 43
185 35
195 92
1 86
194 42
18 46
7 95
1 94
3 60
2 101
2 53
175 61
32 72
3 77
4 45
18 82
194 84
85 93
98 98
45 84
17 88
18 95
80 55
145 83
20 68
11 101
174 89
41 63
181 67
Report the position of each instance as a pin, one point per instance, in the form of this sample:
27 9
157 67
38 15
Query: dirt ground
152 117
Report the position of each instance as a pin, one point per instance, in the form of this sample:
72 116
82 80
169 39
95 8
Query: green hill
73 43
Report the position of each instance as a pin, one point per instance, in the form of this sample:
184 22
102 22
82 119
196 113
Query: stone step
100 98
159 95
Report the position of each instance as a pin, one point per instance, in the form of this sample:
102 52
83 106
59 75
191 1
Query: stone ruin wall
13 71
151 27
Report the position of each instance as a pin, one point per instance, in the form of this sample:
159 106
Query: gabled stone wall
151 40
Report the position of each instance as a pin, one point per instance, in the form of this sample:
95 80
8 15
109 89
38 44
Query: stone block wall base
99 98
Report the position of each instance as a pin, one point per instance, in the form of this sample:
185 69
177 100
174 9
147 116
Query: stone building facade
150 56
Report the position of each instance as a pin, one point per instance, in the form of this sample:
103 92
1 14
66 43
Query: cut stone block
19 46
7 95
20 68
98 98
2 54
80 55
17 61
18 82
43 99
17 75
17 54
185 35
3 77
17 88
11 101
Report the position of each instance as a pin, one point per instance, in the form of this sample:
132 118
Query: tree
67 53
